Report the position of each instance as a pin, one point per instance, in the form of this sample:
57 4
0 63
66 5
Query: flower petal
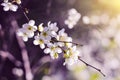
31 22
14 8
6 8
47 50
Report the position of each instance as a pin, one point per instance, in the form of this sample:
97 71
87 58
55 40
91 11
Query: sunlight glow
113 4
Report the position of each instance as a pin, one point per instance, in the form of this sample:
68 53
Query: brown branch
92 66
5 54
71 42
24 53
55 40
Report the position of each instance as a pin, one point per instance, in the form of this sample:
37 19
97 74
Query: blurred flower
73 18
56 76
104 18
18 72
94 19
22 32
86 20
9 6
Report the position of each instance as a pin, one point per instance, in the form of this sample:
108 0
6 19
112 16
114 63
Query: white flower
71 56
9 6
46 34
22 32
40 41
62 36
52 26
70 23
53 29
27 30
30 26
53 49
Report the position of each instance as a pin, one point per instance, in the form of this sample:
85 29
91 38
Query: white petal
68 45
74 48
49 23
42 46
4 4
52 55
69 39
64 64
20 32
30 34
53 34
48 38
36 37
6 8
60 44
69 61
35 28
47 50
56 29
61 31
49 45
53 27
25 39
35 42
31 22
13 7
58 50
25 26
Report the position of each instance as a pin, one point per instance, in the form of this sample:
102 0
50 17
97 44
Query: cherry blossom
27 30
9 6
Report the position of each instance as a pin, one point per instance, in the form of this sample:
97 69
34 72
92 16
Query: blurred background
93 23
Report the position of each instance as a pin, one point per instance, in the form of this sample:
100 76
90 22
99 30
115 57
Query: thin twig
71 42
55 40
25 14
92 66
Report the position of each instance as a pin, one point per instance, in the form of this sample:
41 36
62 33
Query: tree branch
5 54
24 53
92 66
24 12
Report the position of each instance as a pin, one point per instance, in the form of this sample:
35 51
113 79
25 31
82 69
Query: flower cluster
51 39
11 5
73 18
27 30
